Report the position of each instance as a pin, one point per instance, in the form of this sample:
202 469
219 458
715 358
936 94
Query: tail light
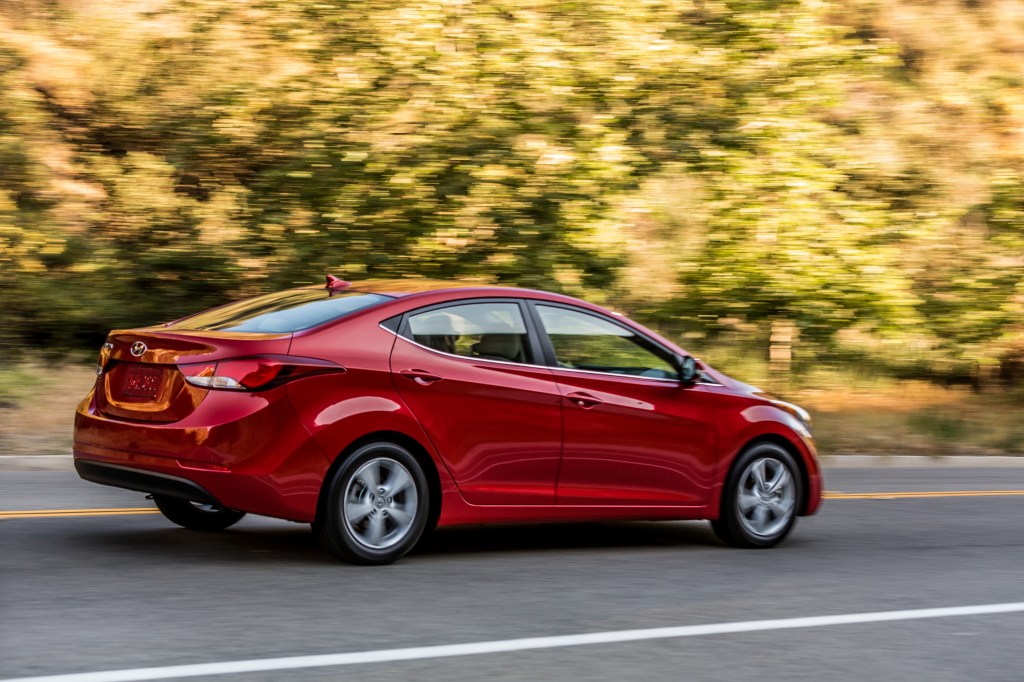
104 358
255 373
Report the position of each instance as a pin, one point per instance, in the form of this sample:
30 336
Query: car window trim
551 358
535 349
470 358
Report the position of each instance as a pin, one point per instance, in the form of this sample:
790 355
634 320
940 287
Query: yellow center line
829 495
52 513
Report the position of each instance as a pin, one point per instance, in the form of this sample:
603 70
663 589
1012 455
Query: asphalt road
94 593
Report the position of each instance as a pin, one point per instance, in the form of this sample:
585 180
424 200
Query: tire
375 506
196 516
760 499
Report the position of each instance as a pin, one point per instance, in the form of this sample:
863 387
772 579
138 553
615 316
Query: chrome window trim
613 374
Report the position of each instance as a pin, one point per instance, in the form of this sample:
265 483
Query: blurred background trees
848 174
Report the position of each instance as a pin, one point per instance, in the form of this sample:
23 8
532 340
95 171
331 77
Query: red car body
500 441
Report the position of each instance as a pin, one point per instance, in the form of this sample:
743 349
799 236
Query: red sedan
382 410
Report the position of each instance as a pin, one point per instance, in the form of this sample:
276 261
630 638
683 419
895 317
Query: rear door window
490 331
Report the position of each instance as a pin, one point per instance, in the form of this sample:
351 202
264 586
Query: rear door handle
420 376
584 400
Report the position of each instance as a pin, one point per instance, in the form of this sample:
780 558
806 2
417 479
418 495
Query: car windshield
279 313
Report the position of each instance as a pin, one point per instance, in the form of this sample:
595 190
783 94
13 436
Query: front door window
583 341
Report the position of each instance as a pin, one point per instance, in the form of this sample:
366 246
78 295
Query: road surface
125 591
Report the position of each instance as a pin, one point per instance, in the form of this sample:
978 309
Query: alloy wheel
380 503
766 499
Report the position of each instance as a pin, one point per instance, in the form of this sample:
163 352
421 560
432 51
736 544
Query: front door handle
420 376
584 400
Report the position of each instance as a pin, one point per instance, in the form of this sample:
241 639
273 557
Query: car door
631 434
466 370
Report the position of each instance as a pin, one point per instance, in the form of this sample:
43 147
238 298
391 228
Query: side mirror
687 368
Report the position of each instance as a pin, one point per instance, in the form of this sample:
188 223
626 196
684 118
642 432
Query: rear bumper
142 481
240 451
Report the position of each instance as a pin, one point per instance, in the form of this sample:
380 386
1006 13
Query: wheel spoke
357 511
760 517
399 481
375 529
781 507
401 515
370 475
747 500
758 472
779 480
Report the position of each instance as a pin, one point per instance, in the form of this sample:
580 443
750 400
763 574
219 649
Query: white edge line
508 645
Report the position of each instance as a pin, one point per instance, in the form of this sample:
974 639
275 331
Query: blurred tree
708 165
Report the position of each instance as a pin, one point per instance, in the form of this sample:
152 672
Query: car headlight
802 415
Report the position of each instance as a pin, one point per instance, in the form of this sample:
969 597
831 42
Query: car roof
438 291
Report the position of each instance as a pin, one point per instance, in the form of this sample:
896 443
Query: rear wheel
375 507
760 498
196 515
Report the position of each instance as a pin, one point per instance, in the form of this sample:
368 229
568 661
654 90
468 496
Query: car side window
584 341
492 331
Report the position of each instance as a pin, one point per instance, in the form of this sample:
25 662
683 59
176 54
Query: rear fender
337 418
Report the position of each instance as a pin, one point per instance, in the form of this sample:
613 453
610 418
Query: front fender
767 422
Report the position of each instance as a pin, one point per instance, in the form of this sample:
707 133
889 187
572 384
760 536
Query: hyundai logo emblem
139 349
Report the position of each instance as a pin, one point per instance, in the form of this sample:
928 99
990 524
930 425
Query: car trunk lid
139 378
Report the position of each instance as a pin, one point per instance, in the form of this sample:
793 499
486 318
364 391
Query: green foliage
22 381
944 428
710 166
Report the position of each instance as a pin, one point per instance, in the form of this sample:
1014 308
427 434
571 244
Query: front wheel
195 515
760 498
375 507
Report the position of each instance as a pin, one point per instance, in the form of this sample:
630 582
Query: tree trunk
780 351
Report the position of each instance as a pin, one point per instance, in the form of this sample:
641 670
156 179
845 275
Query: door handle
584 400
420 376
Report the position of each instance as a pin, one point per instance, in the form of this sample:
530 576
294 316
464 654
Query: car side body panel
644 442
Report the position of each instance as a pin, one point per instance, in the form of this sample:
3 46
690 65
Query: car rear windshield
279 313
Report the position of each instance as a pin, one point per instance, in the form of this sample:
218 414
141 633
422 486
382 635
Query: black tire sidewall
335 534
728 526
